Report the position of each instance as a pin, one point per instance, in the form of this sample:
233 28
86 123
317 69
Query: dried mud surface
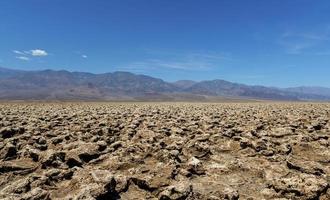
164 151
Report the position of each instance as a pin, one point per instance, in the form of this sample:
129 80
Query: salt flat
164 151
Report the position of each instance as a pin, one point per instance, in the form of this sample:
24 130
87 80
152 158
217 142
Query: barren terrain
164 151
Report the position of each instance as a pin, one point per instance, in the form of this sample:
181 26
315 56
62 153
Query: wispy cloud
321 36
18 52
177 61
23 58
81 54
322 53
212 56
296 48
299 42
179 65
182 54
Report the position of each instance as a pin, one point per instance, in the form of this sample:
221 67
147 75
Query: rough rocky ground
164 151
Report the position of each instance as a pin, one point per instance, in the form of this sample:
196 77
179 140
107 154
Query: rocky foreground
164 151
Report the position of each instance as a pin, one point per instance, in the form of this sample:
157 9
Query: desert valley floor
164 151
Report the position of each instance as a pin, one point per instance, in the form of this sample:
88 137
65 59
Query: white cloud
84 56
38 52
27 55
23 58
18 52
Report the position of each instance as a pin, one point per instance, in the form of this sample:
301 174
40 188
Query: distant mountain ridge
5 73
65 85
310 90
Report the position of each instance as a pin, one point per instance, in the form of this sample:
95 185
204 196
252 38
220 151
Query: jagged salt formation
164 151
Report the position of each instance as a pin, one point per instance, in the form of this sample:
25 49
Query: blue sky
275 42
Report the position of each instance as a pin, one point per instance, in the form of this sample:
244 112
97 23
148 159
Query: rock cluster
164 151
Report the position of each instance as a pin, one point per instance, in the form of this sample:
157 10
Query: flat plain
165 151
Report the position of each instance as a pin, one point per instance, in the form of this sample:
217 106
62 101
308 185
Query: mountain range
65 85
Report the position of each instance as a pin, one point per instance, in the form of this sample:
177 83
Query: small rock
181 190
53 159
36 194
10 132
195 166
8 152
